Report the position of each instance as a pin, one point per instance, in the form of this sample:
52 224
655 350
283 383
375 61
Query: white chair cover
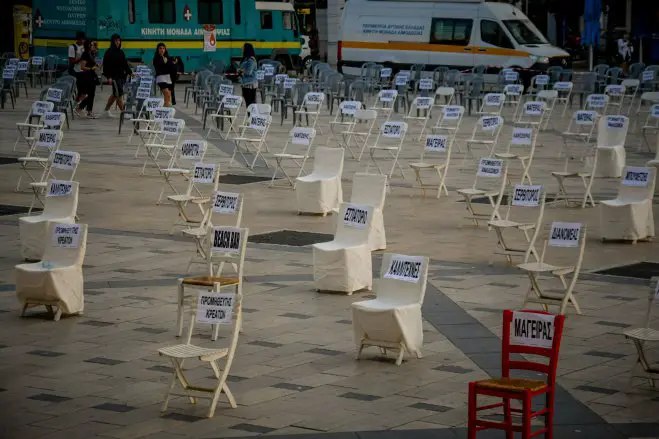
629 215
371 189
321 191
344 264
61 283
34 229
394 317
611 135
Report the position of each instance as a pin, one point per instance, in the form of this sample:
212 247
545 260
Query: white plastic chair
533 115
60 207
629 216
580 131
443 96
182 163
434 144
562 239
643 368
489 183
301 138
521 147
611 138
320 191
371 189
393 320
62 166
57 280
389 141
344 264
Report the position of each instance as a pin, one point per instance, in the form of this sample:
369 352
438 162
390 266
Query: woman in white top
625 50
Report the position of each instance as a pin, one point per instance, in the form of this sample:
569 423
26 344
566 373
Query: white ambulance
458 34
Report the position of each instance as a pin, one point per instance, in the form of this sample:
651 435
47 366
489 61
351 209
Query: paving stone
604 354
251 428
430 407
105 361
322 351
44 353
265 344
98 323
360 396
182 417
289 386
49 398
595 389
453 369
119 408
151 330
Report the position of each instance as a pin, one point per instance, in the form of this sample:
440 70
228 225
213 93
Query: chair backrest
206 176
652 121
529 332
612 131
61 199
402 279
438 74
369 189
311 98
421 103
637 183
229 245
513 92
188 153
601 69
65 161
232 103
613 74
347 109
258 123
425 86
597 102
68 244
540 82
227 204
631 86
49 139
303 138
636 69
491 175
263 109
523 197
387 98
353 223
583 121
488 126
328 162
532 111
391 134
547 96
40 108
585 82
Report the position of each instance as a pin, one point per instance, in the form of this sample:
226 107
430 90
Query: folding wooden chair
643 368
513 93
27 128
420 112
360 132
489 183
228 111
64 161
311 107
564 90
579 132
533 115
342 122
167 140
435 143
597 102
302 138
631 91
385 103
182 164
562 238
149 105
206 175
47 141
549 98
443 96
221 307
486 132
59 99
586 175
492 104
616 94
251 140
523 139
389 140
651 125
226 204
520 199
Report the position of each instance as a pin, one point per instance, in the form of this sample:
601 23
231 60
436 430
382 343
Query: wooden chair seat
210 281
512 384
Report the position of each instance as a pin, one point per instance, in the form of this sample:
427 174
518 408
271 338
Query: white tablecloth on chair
629 220
62 284
321 191
377 320
342 269
610 161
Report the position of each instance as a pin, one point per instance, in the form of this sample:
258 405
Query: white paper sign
48 138
488 167
203 173
357 216
146 81
401 80
423 103
191 149
225 202
13 61
597 101
280 78
563 86
385 73
542 80
143 93
514 89
231 102
260 75
534 108
494 99
426 84
350 107
532 329
64 160
392 129
302 135
436 142
615 90
22 66
8 74
54 95
170 127
582 117
405 268
66 235
388 95
289 83
490 123
59 188
526 196
153 103
225 89
163 113
615 122
452 112
53 119
268 69
215 308
226 239
39 108
314 98
647 75
564 234
522 136
510 76
258 122
37 60
636 177
654 111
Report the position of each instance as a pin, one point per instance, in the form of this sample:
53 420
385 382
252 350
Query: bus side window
162 11
266 19
492 33
289 22
451 31
236 6
210 12
131 11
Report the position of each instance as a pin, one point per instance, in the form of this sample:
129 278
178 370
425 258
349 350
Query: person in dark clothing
164 66
177 70
116 70
247 74
314 44
87 79
75 53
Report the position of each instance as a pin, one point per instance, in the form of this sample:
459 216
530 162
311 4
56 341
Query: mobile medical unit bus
271 26
458 34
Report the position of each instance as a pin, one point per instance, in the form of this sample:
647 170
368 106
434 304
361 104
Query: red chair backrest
540 332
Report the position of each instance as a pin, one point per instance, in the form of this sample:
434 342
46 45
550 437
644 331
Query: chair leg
508 418
471 412
526 417
549 417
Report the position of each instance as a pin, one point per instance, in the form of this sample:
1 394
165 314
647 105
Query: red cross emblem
187 13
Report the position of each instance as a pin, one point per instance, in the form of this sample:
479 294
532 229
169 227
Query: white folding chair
647 100
149 105
616 94
486 132
651 125
533 114
538 83
520 201
449 120
251 140
386 100
420 113
151 132
227 204
434 144
168 139
360 132
370 189
489 183
597 102
64 161
182 163
343 122
344 264
523 140
629 216
320 192
564 90
631 90
611 138
563 238
492 104
301 138
643 367
227 112
393 319
201 187
580 131
549 98
27 128
311 107
215 309
48 140
514 95
389 141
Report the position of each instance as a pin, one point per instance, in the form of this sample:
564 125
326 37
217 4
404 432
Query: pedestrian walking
88 80
247 73
625 50
75 53
165 66
116 70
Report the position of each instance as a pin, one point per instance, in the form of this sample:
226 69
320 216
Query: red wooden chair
522 389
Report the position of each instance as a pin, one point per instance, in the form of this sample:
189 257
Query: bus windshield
524 32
